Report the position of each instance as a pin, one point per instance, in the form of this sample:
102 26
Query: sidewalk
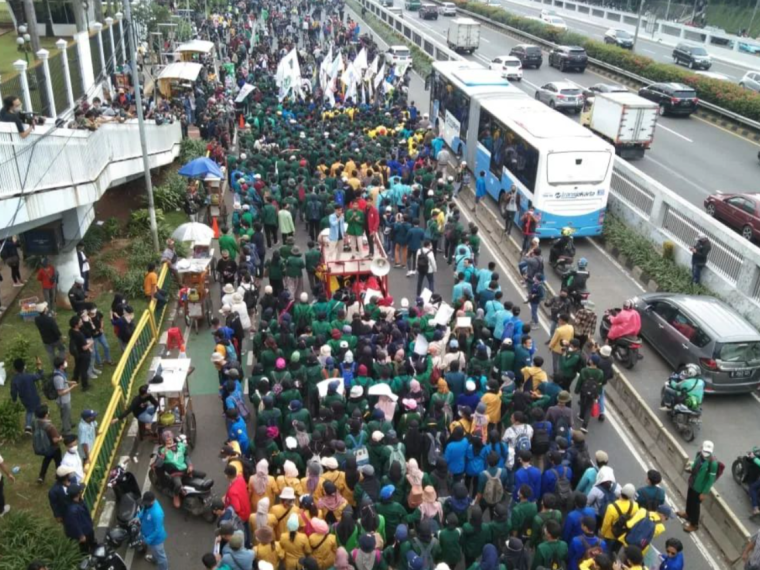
9 294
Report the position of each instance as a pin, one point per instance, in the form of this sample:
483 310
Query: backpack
608 497
41 443
347 373
395 454
425 552
359 449
563 489
242 409
581 462
435 448
49 389
314 210
591 551
509 329
651 497
540 442
562 428
250 298
556 562
642 533
590 389
339 198
493 492
619 527
522 442
423 263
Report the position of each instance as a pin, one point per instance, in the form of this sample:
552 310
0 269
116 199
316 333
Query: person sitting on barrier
686 388
173 459
143 407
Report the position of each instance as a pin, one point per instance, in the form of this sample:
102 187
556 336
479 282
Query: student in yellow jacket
625 506
323 544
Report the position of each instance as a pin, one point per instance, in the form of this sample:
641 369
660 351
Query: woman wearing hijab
331 472
261 485
262 517
429 510
367 556
475 463
458 503
342 561
443 394
347 531
414 441
416 392
309 511
441 480
416 479
331 504
515 557
313 479
267 549
395 478
489 560
289 479
394 554
410 413
263 444
371 522
323 544
369 485
294 544
475 535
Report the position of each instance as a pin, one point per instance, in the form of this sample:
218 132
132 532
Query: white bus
559 167
453 85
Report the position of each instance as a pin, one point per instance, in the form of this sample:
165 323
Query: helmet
689 371
628 304
582 263
566 231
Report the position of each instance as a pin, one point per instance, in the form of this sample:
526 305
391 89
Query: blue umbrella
200 168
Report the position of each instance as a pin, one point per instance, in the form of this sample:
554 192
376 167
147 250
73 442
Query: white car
509 66
448 9
554 21
397 54
751 80
548 12
714 75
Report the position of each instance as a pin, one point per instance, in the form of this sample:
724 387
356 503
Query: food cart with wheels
356 271
201 249
177 77
175 408
194 294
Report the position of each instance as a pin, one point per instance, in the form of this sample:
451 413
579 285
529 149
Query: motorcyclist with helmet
686 388
575 281
626 323
562 246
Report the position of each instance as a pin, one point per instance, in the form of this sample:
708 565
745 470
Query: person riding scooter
686 388
576 279
626 323
563 246
173 459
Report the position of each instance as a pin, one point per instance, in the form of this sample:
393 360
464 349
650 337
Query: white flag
349 79
372 70
288 76
337 66
379 76
324 69
360 63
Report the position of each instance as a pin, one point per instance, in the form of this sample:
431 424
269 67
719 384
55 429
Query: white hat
79 280
216 357
470 385
236 205
288 494
304 297
430 192
377 436
41 307
64 471
291 442
606 350
628 491
237 298
229 288
329 463
246 207
464 163
225 309
243 156
356 391
404 303
268 289
257 176
264 565
708 446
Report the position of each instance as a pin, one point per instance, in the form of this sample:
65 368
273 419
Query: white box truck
624 119
463 35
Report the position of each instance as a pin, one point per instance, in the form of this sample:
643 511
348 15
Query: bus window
509 151
455 102
577 167
484 133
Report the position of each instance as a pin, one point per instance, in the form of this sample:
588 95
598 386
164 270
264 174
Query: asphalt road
650 48
684 156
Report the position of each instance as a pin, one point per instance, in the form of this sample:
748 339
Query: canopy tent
196 46
176 73
200 168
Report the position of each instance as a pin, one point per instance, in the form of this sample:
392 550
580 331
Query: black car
568 57
620 38
529 56
428 12
673 98
693 57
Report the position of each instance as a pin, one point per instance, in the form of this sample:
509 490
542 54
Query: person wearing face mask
72 459
11 113
705 471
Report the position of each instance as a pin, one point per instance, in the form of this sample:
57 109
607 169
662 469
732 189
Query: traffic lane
628 459
677 157
646 45
610 285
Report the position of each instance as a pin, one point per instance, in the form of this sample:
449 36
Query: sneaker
96 371
412 273
601 417
409 273
584 430
18 284
149 558
28 431
5 510
40 480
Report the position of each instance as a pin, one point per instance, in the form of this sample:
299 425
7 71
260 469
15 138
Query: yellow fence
109 436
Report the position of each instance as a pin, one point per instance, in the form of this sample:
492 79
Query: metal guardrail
715 109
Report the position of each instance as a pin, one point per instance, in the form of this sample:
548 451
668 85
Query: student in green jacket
552 551
489 560
704 474
523 514
449 539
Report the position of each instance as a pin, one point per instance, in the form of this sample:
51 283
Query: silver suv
751 80
696 329
561 95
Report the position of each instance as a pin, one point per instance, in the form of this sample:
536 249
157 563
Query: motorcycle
688 422
744 470
626 348
196 490
105 557
562 261
127 493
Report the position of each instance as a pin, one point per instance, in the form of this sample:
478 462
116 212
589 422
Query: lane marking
485 40
677 175
649 51
661 126
725 130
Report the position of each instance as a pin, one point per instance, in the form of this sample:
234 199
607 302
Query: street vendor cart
194 295
356 271
175 409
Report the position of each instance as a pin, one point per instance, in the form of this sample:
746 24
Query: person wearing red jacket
237 497
626 323
371 225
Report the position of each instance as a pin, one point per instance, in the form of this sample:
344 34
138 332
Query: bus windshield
587 167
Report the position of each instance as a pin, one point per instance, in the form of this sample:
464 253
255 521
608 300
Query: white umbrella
193 231
382 389
325 384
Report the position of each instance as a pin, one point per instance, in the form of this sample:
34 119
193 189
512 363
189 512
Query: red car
738 211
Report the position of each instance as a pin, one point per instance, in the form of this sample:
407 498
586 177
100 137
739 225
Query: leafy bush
94 239
140 253
104 273
130 284
139 222
663 268
20 347
190 149
170 195
726 95
10 421
111 228
25 537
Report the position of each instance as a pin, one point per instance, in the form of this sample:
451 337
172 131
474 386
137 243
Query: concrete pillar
43 55
120 18
76 221
86 69
61 45
20 66
109 23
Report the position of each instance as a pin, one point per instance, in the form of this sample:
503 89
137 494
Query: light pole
109 23
754 13
141 127
119 18
638 24
23 41
62 45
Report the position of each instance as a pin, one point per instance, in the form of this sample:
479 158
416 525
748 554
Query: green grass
733 18
9 53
